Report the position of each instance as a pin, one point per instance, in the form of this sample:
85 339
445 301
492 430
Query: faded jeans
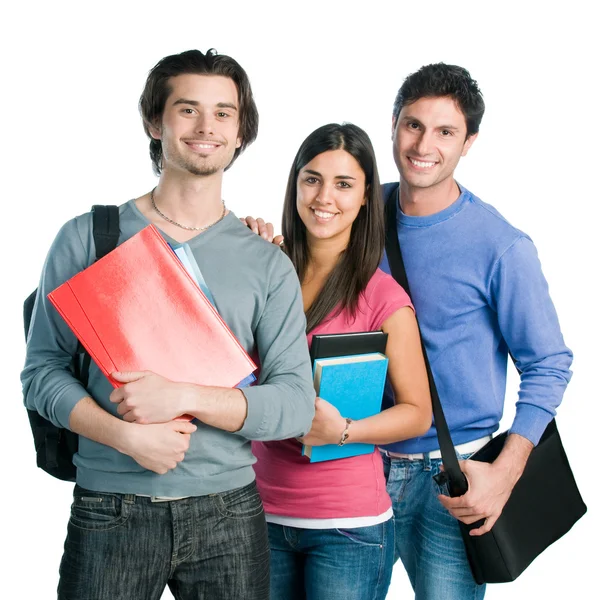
428 539
126 547
331 564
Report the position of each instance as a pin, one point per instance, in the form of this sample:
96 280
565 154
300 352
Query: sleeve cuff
255 415
531 422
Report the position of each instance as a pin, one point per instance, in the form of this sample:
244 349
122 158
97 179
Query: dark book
329 345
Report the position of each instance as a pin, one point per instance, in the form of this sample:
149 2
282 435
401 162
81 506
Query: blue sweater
478 289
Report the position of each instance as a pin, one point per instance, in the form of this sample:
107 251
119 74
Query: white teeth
323 215
204 146
423 165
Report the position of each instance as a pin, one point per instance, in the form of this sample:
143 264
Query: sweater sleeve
49 386
529 325
281 406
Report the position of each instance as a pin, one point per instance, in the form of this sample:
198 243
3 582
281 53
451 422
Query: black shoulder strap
106 228
106 237
457 482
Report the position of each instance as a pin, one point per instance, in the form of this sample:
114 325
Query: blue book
354 385
184 254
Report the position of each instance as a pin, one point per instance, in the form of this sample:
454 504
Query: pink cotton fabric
351 487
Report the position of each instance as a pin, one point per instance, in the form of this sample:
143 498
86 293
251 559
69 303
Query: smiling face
330 191
199 129
429 140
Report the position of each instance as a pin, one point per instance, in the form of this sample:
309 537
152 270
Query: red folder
138 309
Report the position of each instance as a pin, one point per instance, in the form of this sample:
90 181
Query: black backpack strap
28 311
106 237
457 482
106 229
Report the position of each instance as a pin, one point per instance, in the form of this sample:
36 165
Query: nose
325 195
204 123
423 145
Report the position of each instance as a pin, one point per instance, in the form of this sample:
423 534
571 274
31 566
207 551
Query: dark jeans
126 547
331 564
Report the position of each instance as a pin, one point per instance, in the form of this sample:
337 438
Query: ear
367 192
155 132
238 142
394 121
468 143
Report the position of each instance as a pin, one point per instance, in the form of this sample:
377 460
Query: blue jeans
331 564
126 547
428 539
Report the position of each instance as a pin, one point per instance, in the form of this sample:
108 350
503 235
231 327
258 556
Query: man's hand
488 492
327 426
265 230
148 398
490 485
160 447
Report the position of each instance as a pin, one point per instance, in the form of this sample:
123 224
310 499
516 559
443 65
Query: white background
71 137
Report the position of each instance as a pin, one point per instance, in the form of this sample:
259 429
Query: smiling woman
334 172
330 192
333 226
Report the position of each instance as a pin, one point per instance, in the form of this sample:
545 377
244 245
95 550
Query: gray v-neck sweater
256 292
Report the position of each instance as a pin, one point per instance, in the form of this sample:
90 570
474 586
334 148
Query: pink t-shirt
288 483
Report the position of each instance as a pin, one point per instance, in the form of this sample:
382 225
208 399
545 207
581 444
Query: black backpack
55 446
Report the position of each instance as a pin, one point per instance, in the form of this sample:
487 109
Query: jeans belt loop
427 461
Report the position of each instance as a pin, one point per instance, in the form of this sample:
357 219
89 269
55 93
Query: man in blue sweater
478 289
479 292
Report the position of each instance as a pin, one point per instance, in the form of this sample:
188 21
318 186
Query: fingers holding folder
146 397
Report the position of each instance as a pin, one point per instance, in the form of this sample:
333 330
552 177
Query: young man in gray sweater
162 502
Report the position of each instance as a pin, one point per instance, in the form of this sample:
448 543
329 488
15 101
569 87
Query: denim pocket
372 535
97 511
241 503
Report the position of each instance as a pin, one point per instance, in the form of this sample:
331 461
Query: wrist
343 439
197 402
513 458
189 402
125 438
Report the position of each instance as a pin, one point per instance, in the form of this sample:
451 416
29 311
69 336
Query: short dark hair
359 261
440 79
157 90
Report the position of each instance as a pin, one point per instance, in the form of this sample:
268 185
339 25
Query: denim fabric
428 539
331 564
126 547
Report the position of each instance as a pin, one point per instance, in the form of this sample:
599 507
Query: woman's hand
327 426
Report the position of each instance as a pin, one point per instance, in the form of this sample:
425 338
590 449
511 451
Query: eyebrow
415 120
196 103
336 177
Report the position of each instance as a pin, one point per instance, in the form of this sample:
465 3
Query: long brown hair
358 262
